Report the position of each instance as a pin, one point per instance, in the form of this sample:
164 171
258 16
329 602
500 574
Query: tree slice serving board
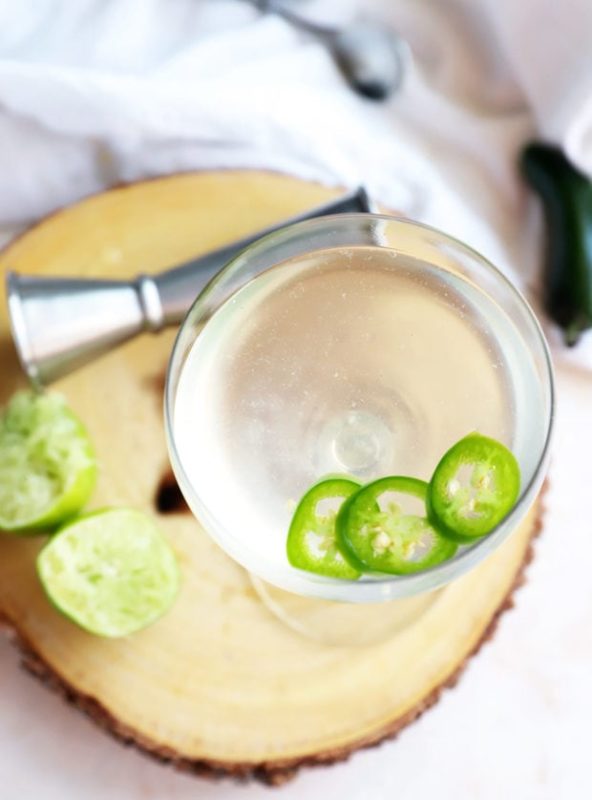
219 686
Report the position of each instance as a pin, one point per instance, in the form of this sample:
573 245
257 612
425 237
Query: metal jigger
59 324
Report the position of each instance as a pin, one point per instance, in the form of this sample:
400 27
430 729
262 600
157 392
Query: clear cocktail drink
365 359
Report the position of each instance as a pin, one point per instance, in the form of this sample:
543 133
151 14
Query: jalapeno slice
473 488
384 527
312 542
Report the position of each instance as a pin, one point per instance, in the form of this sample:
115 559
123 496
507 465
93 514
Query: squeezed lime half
47 463
112 572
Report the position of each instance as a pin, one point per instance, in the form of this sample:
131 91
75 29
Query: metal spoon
371 56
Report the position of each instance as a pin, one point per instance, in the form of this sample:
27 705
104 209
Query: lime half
47 463
112 572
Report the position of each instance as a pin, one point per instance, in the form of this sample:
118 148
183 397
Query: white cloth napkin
96 92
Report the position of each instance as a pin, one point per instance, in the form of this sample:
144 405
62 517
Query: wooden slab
219 686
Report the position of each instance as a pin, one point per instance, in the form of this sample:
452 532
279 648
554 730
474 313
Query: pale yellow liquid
350 361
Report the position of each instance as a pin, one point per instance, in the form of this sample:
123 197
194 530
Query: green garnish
312 542
377 533
473 488
341 529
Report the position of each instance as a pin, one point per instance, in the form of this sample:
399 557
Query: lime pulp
47 463
111 572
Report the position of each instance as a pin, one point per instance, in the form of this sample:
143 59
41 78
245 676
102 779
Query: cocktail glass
358 344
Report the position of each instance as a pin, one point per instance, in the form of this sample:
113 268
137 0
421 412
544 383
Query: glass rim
416 583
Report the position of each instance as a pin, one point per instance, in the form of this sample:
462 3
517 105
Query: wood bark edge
271 773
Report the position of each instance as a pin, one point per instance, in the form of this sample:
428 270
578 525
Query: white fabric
95 92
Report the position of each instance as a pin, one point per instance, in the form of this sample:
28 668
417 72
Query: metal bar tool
60 324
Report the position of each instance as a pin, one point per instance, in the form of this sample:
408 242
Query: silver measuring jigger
59 324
